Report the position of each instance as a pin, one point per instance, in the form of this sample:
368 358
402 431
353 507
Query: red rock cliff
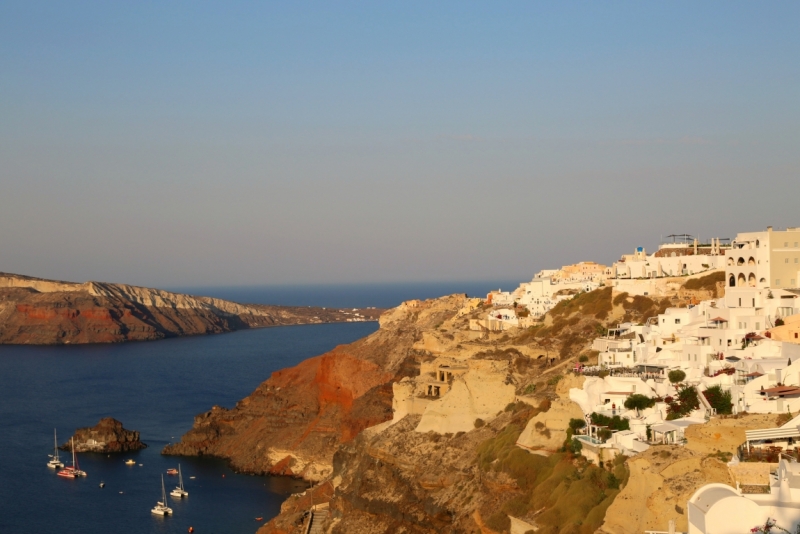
293 422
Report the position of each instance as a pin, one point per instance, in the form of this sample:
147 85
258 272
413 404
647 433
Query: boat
74 470
179 491
102 484
172 471
55 462
130 462
161 507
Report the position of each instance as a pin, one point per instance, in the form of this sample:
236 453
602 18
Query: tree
576 424
637 402
676 375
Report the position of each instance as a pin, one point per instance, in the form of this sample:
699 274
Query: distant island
34 311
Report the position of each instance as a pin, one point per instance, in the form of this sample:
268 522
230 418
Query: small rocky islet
107 436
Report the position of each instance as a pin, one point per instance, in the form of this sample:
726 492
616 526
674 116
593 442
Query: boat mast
55 445
180 477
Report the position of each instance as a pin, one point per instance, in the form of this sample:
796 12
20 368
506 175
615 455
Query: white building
721 509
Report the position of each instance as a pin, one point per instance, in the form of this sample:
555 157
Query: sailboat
161 507
179 491
74 470
55 462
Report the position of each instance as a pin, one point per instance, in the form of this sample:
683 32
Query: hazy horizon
249 144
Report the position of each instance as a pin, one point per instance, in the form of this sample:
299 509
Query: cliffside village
648 382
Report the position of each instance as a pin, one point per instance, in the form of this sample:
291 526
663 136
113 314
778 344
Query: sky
247 143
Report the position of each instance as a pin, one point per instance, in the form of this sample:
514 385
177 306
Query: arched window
730 261
732 281
763 281
741 281
757 243
751 280
740 261
751 261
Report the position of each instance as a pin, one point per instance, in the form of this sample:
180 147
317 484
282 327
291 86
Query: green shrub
479 423
676 375
530 389
554 380
613 423
719 399
576 424
637 402
583 358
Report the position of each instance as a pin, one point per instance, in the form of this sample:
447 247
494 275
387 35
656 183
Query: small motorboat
130 462
102 484
172 471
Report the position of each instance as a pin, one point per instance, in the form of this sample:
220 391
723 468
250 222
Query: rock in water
107 436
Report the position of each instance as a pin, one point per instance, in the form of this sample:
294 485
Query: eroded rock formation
107 436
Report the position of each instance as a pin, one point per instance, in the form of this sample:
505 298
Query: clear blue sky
198 143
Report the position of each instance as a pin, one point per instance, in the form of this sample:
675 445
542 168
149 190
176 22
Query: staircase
317 518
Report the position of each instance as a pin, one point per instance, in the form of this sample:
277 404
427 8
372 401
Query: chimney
695 246
769 228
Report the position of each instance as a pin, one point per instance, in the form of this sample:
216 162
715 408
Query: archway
730 261
751 261
740 261
741 280
732 281
751 280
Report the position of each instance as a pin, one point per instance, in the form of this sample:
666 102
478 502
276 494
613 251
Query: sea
157 387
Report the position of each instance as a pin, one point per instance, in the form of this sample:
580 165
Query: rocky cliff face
45 312
107 436
292 423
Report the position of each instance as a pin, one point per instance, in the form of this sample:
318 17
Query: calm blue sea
347 296
157 388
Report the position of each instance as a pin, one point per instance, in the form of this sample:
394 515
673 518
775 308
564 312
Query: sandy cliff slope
46 312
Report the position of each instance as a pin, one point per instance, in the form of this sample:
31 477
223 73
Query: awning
781 390
718 320
772 433
663 428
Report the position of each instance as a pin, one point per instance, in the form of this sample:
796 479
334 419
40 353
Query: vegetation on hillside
571 493
707 283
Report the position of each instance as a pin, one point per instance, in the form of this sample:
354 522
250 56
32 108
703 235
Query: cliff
45 312
106 437
293 422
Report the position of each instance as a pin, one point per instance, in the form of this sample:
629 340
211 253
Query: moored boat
179 491
161 507
55 462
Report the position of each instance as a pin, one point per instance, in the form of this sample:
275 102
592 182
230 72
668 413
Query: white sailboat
55 462
161 507
179 491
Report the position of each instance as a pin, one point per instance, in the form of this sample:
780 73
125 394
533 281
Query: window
791 282
786 244
786 260
740 302
795 335
777 281
758 326
677 321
